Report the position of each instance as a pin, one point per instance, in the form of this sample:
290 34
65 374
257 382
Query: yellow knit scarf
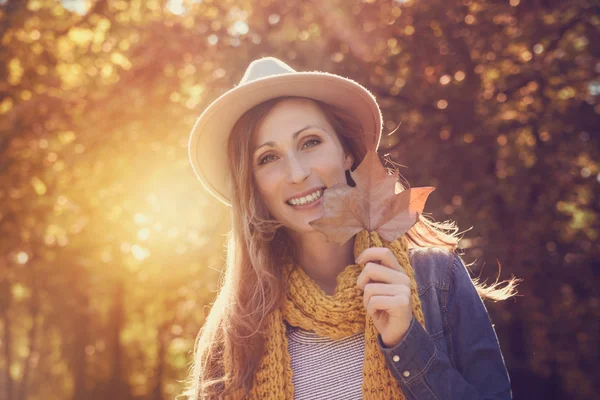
337 316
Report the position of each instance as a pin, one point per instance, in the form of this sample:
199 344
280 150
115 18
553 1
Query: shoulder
433 266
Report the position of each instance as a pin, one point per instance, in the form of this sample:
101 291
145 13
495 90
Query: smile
306 200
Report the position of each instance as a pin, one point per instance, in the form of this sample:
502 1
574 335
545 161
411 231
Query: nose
296 170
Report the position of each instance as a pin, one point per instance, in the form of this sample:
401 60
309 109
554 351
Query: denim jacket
458 356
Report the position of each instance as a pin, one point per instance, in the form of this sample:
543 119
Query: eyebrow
294 136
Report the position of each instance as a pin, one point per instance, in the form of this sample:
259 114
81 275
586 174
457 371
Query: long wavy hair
257 247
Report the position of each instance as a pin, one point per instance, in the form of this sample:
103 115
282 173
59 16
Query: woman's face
295 154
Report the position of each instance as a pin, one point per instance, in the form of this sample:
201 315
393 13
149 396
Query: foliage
110 251
372 204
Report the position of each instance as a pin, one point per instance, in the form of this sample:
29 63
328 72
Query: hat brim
207 146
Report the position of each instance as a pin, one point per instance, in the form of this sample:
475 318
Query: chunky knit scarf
337 316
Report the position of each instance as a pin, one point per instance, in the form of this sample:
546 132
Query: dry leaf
372 204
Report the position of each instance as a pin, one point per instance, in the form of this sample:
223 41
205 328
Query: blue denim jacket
459 356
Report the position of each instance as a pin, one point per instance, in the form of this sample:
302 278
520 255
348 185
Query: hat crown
264 67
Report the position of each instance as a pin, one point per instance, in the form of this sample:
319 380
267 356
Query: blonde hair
257 248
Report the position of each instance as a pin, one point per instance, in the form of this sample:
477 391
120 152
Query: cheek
329 164
268 182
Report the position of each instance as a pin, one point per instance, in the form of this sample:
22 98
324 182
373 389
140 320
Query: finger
379 273
382 255
387 303
383 289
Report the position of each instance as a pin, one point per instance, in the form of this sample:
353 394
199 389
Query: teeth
306 199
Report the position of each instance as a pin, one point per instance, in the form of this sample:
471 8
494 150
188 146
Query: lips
306 193
307 205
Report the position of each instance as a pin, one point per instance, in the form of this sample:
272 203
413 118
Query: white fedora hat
265 79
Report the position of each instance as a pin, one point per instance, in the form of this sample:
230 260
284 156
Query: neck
322 260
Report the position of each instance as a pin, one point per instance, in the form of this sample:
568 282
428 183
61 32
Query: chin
308 228
301 227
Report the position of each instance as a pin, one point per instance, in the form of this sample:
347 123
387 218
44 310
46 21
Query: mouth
311 200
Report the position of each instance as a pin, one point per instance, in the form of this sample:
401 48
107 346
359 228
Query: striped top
324 368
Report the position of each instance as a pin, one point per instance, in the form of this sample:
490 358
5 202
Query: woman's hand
386 290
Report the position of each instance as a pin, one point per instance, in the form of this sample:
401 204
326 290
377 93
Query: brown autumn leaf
372 204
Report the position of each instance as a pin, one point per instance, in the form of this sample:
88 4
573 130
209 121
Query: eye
314 142
265 159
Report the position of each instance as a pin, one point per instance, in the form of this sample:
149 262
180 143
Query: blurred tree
108 261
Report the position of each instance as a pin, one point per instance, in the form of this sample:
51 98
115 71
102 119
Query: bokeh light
111 251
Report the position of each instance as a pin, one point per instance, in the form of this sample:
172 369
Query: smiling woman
400 319
296 161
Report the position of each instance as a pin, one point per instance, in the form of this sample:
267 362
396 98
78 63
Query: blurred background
111 252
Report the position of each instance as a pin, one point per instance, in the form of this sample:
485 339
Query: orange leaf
372 205
406 207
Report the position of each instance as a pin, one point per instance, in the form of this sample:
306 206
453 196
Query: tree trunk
6 342
79 366
5 302
33 333
118 387
161 339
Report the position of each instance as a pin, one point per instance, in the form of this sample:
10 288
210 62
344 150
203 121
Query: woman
300 317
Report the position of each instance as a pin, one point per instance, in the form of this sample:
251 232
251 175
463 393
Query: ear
348 161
